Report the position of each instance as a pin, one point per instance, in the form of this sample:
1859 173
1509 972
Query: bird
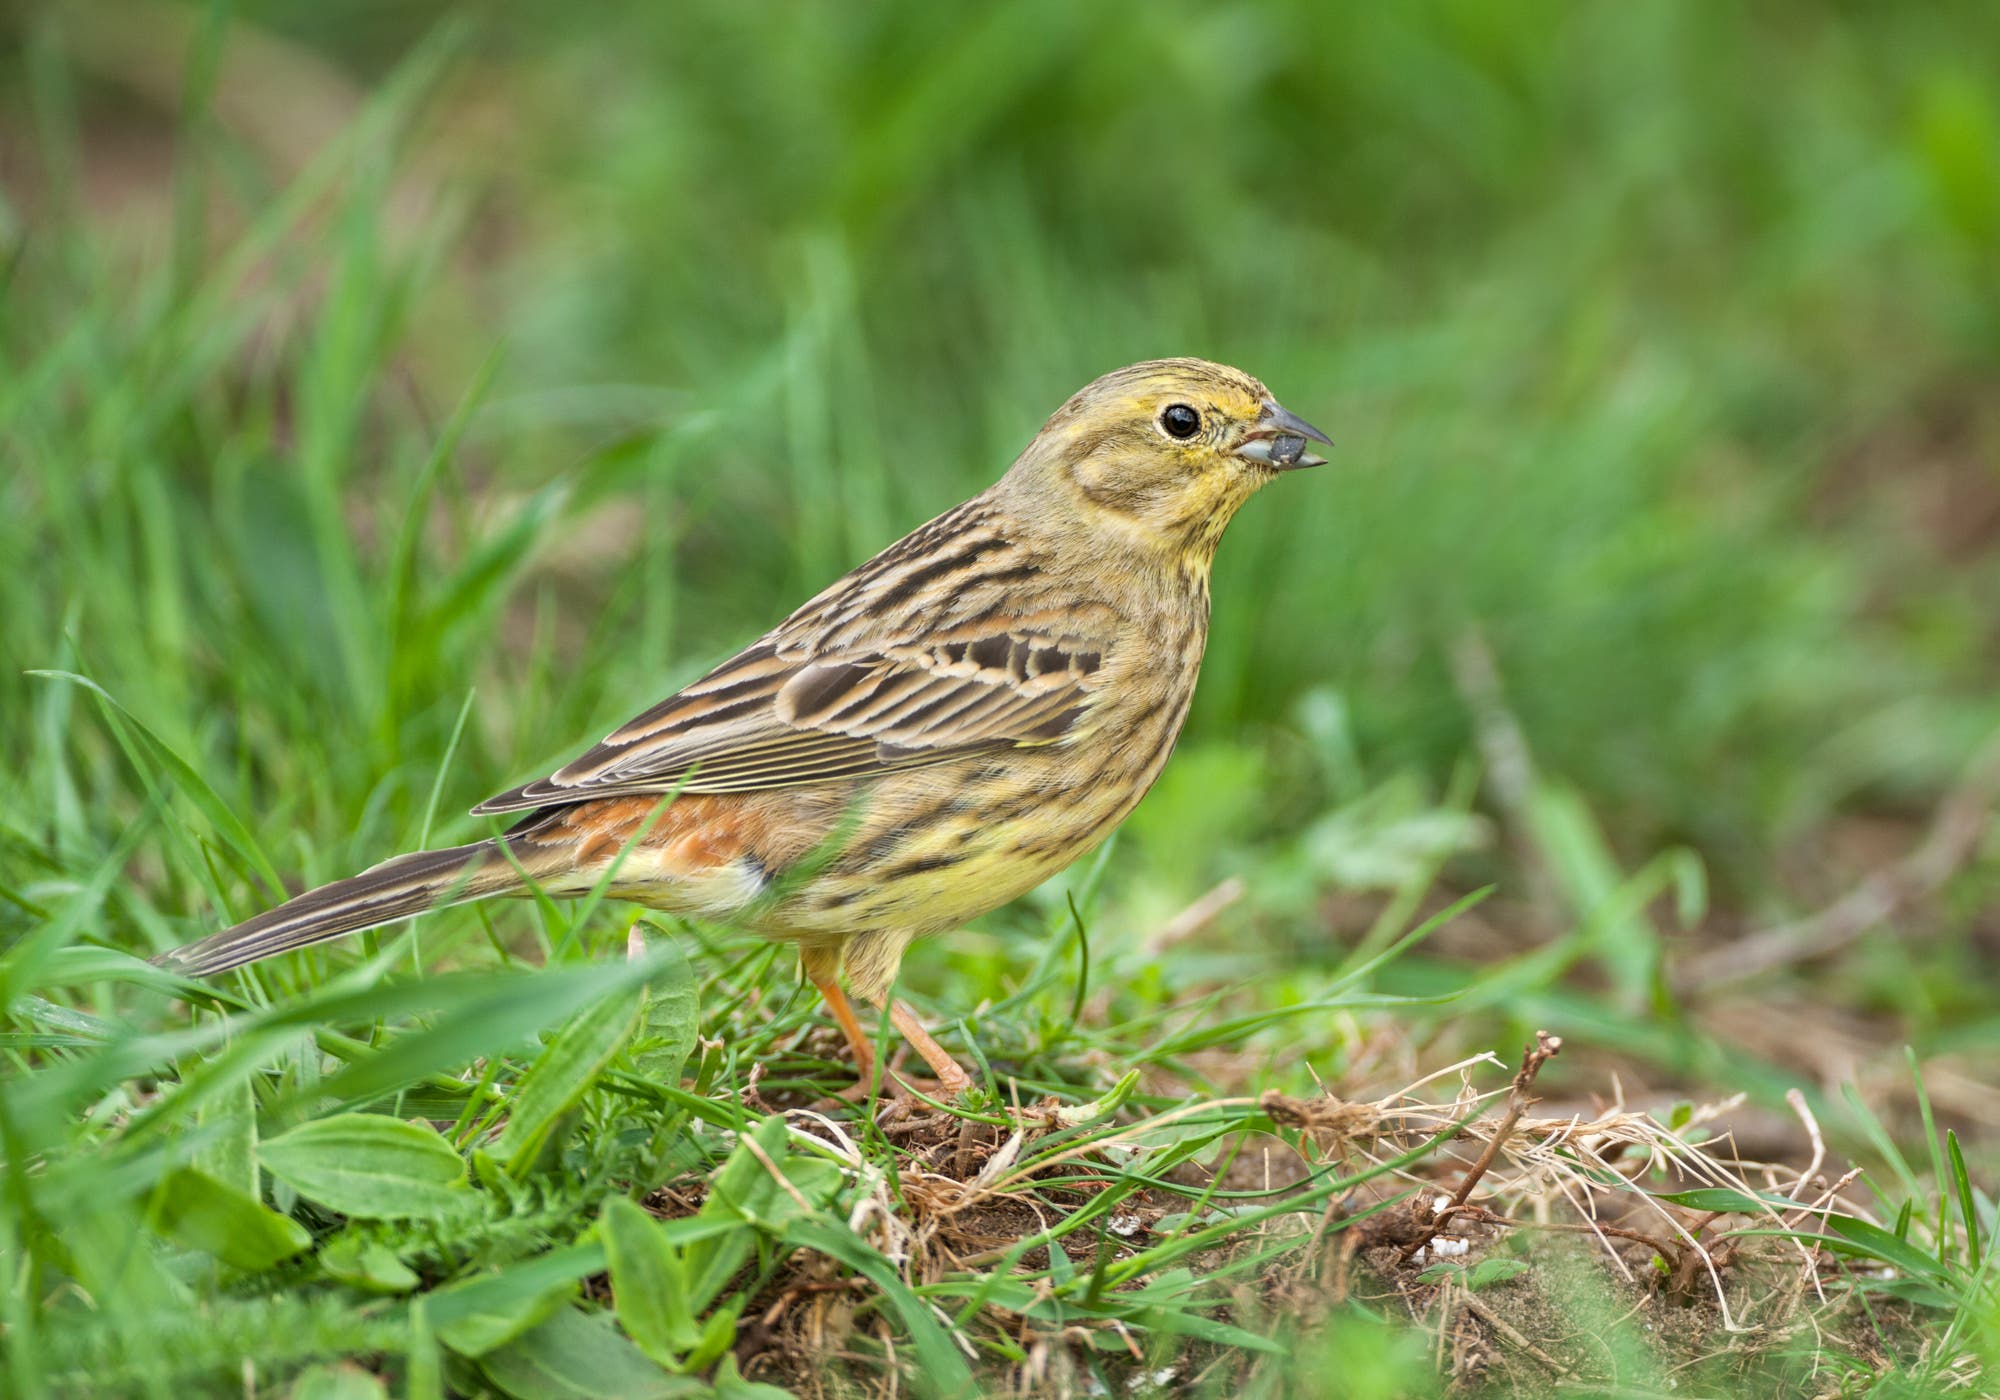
939 731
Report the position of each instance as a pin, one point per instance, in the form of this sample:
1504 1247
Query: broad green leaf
580 1356
475 1315
192 1208
423 1361
749 1185
494 1318
563 1074
345 1381
718 1335
230 1156
371 1166
669 1024
1499 1269
713 1261
730 1385
649 1281
366 1264
747 1190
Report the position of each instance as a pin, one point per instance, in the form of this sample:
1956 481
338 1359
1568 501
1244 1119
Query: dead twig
1327 1115
795 1291
1663 1248
1510 1335
1545 1048
1804 1110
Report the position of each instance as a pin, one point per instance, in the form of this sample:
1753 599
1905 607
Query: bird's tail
393 890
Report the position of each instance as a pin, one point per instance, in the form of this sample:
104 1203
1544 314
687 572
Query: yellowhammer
944 728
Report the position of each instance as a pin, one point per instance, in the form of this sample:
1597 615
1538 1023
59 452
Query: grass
438 395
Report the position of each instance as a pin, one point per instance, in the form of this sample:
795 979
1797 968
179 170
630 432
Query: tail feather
393 890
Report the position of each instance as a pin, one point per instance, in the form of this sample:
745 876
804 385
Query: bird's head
1159 455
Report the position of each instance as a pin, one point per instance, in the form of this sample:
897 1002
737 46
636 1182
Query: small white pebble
1438 1206
1446 1248
1153 1380
1125 1226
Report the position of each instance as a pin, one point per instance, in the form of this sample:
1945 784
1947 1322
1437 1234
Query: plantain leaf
192 1208
563 1074
756 1188
475 1315
343 1382
1499 1269
366 1264
669 1025
649 1281
231 1155
371 1166
730 1385
580 1356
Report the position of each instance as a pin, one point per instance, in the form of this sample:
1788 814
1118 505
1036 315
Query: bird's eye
1180 421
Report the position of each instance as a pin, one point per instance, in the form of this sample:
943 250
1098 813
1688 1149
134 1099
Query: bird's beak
1278 440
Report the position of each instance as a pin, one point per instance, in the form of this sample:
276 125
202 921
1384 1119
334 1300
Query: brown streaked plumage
937 732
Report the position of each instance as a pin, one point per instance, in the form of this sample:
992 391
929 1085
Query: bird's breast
935 847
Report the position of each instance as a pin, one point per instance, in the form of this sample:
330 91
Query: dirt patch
1523 1249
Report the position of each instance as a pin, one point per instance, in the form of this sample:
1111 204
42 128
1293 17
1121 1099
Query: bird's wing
785 713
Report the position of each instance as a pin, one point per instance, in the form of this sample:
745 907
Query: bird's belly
718 892
939 847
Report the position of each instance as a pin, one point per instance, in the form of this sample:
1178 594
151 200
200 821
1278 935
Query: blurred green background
360 359
395 397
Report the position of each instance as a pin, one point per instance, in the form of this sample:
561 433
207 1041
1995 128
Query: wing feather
942 646
775 717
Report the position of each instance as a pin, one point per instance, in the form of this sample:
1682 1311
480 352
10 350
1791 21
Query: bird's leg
822 968
952 1079
850 1026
